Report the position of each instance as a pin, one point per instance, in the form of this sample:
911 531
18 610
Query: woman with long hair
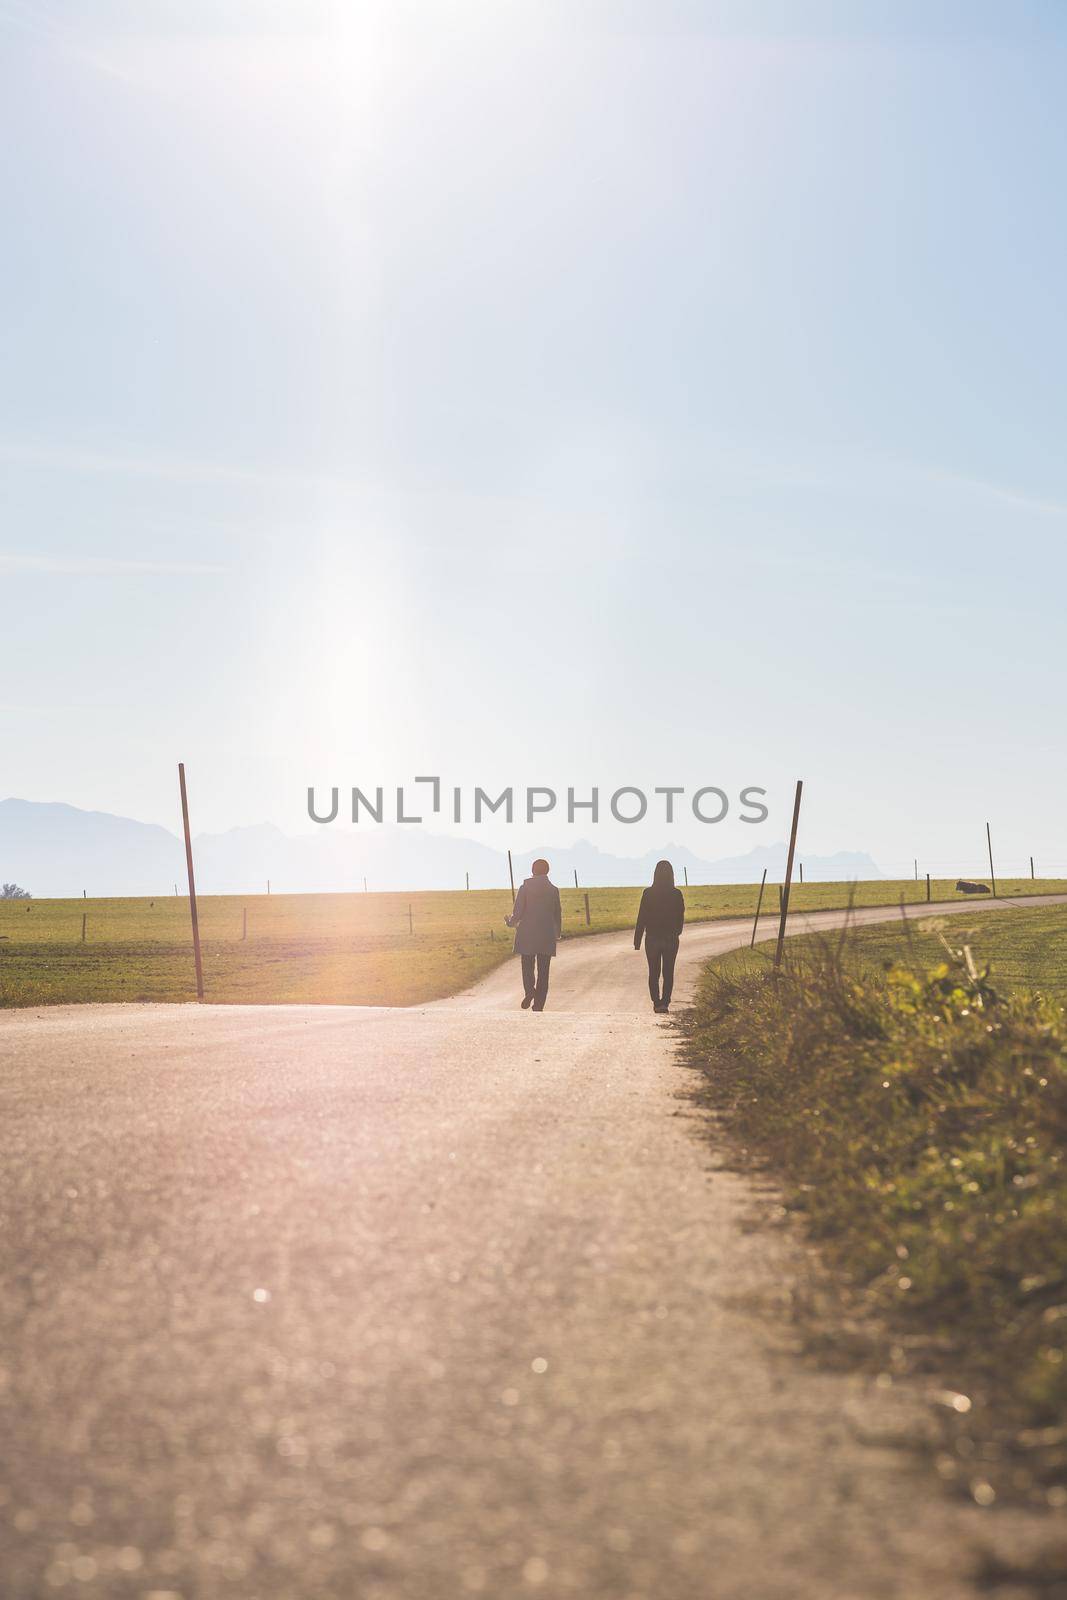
660 919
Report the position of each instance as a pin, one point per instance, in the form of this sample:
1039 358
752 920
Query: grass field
334 948
1027 950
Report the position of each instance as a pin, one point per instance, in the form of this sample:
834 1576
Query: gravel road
323 1302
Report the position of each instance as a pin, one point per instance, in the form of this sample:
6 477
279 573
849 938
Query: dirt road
325 1302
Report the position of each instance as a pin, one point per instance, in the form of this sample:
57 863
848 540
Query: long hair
663 877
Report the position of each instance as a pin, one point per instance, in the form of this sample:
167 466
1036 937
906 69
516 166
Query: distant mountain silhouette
56 851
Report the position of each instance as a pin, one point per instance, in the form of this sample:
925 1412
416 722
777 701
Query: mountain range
57 851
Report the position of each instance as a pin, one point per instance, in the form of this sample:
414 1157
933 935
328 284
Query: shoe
526 1001
539 1006
657 1007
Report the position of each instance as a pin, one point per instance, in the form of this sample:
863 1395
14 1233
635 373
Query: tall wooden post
588 918
468 882
1031 868
576 877
83 926
928 888
802 872
788 875
192 883
511 875
685 871
759 902
992 874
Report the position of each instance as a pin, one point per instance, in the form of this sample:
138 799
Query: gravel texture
323 1302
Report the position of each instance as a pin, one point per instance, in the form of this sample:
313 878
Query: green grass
1027 948
913 1100
331 948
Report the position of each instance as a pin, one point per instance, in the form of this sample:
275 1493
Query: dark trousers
539 987
661 955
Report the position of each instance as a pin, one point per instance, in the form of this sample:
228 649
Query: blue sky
625 393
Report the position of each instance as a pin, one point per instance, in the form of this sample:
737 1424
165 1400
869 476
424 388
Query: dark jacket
537 918
661 915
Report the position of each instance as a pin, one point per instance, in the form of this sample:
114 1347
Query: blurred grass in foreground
336 948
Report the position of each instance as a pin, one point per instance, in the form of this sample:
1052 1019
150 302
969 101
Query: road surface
324 1302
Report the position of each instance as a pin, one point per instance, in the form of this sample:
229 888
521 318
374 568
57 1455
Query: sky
631 393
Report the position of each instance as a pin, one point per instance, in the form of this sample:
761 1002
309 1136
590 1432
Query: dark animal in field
971 888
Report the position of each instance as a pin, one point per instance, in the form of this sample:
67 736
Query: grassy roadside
1027 948
336 948
916 1111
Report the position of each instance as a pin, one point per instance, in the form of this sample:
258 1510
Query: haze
668 396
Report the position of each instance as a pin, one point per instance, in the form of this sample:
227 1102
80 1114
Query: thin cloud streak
59 711
1011 497
172 469
104 566
743 464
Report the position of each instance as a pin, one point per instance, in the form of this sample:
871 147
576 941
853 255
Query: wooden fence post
788 876
759 902
992 874
192 883
588 918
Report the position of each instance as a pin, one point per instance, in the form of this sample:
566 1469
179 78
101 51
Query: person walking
660 918
537 918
